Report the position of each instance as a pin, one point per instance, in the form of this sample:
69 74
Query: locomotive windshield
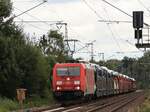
68 71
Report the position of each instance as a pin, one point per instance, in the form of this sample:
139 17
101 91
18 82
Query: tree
127 64
34 69
53 45
5 9
21 63
113 64
142 70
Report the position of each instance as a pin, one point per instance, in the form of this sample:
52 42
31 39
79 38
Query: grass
145 107
7 105
36 101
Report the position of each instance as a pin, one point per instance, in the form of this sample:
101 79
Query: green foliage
145 107
127 66
53 45
5 9
34 70
113 64
22 65
7 105
37 101
142 70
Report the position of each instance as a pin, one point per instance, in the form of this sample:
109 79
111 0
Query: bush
21 66
7 105
145 107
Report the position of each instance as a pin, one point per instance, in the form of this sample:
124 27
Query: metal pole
74 42
92 52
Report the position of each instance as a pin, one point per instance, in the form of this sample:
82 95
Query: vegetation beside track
27 64
145 107
7 105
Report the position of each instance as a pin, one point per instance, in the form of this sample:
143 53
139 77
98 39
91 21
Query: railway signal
138 25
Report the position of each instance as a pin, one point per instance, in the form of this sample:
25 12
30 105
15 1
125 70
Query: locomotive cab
67 80
73 79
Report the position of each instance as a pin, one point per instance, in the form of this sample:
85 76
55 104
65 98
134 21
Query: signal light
138 34
138 19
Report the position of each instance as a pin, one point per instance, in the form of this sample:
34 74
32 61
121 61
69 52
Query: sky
115 40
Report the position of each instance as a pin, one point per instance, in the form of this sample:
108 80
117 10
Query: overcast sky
83 23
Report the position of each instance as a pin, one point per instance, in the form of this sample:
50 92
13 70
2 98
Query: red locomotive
86 79
73 78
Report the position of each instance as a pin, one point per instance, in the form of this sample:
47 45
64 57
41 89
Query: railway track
116 104
108 104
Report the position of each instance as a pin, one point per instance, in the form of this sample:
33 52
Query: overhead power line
127 52
133 45
29 9
114 21
27 1
112 33
73 41
31 16
92 9
45 22
103 20
82 47
143 5
37 27
114 37
28 21
117 8
122 11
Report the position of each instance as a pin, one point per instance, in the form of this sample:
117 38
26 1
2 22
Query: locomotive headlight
77 88
58 88
59 82
76 82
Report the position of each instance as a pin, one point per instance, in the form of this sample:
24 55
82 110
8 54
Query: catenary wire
34 26
124 13
121 10
112 33
32 16
29 9
92 9
141 3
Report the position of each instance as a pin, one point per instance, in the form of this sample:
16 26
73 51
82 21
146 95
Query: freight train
83 79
